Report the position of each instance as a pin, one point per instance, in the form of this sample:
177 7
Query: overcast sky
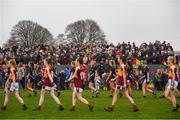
129 20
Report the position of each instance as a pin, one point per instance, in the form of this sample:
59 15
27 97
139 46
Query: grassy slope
149 107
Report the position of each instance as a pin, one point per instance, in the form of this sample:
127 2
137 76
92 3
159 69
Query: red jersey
78 80
173 72
47 81
121 70
13 72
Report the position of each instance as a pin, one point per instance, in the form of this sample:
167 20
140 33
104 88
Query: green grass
150 107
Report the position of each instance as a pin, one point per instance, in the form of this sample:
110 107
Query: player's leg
167 94
20 99
126 93
112 88
137 84
41 100
83 100
115 97
144 88
173 97
91 86
151 91
6 99
73 100
71 85
114 101
129 87
30 89
167 91
97 87
56 99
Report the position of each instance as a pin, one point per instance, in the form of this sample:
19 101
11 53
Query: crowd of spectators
153 53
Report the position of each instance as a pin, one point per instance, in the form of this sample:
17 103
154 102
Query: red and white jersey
79 77
121 71
12 74
173 72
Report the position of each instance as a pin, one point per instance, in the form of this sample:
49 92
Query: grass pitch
150 107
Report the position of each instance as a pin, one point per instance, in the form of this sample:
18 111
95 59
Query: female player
73 67
78 85
48 85
146 79
121 85
91 78
111 76
12 85
129 79
172 83
30 79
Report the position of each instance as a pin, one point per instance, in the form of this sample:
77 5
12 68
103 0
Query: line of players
118 79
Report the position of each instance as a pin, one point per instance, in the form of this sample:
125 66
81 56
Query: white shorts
119 87
77 90
175 84
14 87
49 88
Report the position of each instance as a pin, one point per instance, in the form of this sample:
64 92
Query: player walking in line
145 79
48 85
12 85
121 85
31 79
78 77
172 83
111 76
91 77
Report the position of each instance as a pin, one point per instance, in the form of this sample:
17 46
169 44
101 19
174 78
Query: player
172 83
48 85
78 86
73 67
91 77
145 79
121 85
12 85
111 76
30 79
129 79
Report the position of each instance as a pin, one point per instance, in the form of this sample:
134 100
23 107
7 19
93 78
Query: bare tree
11 42
94 33
84 31
76 31
28 33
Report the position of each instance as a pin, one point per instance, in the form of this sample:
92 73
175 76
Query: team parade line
119 80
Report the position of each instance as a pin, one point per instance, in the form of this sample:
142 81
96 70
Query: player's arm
115 77
173 77
110 73
73 76
124 77
50 76
72 73
177 73
6 85
13 75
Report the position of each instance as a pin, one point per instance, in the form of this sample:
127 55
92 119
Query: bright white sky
129 20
